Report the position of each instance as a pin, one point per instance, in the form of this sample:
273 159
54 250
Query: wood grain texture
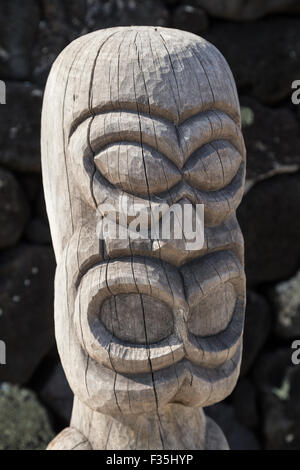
149 330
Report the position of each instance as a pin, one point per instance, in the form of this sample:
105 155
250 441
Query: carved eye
127 316
213 166
213 313
136 169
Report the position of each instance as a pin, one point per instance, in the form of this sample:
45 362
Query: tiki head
150 115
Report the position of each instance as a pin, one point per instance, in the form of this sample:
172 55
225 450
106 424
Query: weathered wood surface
149 331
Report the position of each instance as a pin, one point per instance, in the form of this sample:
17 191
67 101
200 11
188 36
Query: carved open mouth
137 318
144 315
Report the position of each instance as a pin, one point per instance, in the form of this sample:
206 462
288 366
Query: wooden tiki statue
149 331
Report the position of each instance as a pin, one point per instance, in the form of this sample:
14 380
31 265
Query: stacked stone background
261 43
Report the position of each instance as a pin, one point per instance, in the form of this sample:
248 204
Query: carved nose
184 193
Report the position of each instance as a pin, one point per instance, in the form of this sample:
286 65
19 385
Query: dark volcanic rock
245 404
20 128
18 26
26 309
61 22
272 138
238 437
108 13
269 216
264 56
24 423
286 301
57 395
190 18
31 184
247 10
14 209
40 207
279 384
38 232
257 328
75 11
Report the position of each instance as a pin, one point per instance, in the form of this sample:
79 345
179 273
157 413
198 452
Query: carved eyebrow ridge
85 115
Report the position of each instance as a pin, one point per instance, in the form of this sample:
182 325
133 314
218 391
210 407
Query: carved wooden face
150 115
